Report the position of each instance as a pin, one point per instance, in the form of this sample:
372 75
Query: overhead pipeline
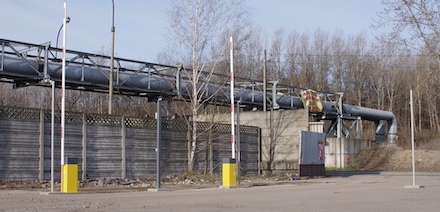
81 75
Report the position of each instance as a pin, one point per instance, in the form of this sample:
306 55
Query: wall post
41 154
84 147
123 148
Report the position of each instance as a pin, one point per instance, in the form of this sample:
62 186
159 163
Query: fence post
41 154
158 141
123 149
260 149
84 147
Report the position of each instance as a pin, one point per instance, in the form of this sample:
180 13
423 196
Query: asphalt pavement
340 191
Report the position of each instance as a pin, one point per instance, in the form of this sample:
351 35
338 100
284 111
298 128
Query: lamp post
110 81
58 35
63 101
52 136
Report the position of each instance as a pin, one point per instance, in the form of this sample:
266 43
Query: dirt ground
174 182
396 159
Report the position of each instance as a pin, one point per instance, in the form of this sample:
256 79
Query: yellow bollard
229 178
69 176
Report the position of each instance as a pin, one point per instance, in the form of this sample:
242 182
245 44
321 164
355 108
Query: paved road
341 192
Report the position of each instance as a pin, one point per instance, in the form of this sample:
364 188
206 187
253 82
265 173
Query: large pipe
82 75
88 75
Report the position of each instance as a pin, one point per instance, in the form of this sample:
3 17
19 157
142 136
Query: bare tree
249 65
293 58
276 56
321 49
305 62
196 27
415 23
337 52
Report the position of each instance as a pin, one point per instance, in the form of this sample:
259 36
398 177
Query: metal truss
39 63
25 64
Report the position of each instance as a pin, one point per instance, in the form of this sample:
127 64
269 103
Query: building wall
280 135
340 153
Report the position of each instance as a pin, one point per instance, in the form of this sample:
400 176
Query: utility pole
112 58
264 82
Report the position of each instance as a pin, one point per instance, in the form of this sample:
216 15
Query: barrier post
229 178
69 179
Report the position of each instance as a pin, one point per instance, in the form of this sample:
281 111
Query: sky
140 24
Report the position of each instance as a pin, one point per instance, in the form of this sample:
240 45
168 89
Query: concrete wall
280 135
340 153
287 126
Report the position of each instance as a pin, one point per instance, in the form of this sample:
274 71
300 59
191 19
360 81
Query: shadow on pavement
349 173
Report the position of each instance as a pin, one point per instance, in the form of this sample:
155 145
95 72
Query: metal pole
412 145
238 142
339 126
63 87
412 139
232 98
358 127
110 81
52 136
158 141
264 82
339 130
